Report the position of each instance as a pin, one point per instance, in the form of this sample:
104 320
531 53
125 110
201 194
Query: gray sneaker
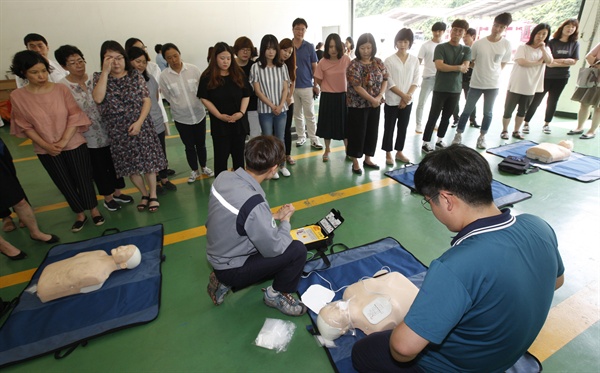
284 302
457 139
216 290
481 142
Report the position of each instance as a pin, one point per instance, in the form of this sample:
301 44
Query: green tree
553 12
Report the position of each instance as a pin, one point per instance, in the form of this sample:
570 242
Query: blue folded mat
349 266
503 194
127 298
581 167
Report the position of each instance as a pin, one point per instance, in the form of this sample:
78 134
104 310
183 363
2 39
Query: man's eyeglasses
77 62
426 202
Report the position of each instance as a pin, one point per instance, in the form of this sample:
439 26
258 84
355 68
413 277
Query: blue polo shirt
484 301
305 57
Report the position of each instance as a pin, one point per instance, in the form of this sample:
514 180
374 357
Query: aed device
319 236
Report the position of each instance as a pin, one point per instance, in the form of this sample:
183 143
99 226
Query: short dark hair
241 43
339 46
471 31
503 19
167 47
364 39
157 48
25 60
538 28
460 23
34 37
573 38
459 170
131 41
438 26
112 45
405 34
66 51
299 21
351 41
262 153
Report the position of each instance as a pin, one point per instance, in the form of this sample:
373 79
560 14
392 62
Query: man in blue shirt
306 87
484 301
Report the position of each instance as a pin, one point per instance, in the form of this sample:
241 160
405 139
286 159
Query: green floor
191 334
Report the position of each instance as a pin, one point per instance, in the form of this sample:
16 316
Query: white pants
254 124
426 89
304 108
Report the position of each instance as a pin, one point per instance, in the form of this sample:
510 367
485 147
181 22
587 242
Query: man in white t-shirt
426 58
37 43
490 55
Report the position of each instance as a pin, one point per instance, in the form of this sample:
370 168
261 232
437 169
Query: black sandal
155 207
142 206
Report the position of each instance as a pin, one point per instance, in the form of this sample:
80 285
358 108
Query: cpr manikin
84 272
371 305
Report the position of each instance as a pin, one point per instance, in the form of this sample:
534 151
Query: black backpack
516 165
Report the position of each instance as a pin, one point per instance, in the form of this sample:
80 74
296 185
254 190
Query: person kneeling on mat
244 243
484 301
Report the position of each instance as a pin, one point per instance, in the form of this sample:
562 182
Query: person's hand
289 101
134 129
107 64
285 212
53 149
316 90
402 104
569 61
225 118
463 69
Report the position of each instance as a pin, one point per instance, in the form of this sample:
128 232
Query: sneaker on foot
111 205
455 123
457 138
284 302
426 148
193 177
275 176
547 130
525 128
216 290
440 145
317 145
285 172
481 142
301 142
208 172
123 198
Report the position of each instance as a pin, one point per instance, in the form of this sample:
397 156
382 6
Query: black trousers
11 191
285 270
288 131
441 102
363 124
223 147
514 99
395 117
162 174
372 354
103 171
71 172
554 88
193 137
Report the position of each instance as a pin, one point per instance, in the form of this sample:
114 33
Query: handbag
516 165
588 77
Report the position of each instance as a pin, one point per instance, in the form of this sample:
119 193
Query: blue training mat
581 167
349 266
503 194
127 298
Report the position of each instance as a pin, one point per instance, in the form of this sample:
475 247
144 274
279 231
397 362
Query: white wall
192 25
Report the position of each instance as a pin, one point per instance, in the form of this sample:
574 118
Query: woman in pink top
48 114
331 76
588 97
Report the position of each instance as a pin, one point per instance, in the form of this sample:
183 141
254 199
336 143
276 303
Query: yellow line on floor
26 142
567 320
16 278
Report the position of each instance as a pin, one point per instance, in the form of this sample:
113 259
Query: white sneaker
275 176
440 145
317 145
193 177
481 142
457 139
208 172
284 171
525 128
301 141
426 148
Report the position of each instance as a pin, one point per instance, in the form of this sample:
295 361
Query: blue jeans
272 124
489 97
